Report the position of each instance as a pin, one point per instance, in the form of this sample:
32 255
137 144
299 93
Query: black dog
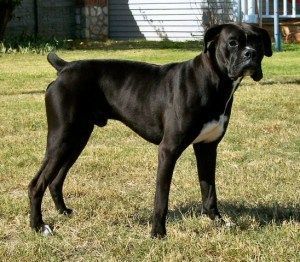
172 105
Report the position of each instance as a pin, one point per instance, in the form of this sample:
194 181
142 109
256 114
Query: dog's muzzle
248 66
252 65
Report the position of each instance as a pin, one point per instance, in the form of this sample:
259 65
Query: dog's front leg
166 162
206 155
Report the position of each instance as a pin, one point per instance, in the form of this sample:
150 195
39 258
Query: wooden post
277 36
240 14
259 7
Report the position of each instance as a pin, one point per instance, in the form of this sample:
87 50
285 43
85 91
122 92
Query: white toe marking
229 224
46 231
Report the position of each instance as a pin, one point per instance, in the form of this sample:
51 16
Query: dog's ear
266 41
211 34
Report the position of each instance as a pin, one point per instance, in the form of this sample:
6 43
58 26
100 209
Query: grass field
111 186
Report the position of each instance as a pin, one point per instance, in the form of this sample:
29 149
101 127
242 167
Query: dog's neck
235 85
219 77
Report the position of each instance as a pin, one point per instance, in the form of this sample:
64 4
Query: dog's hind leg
56 186
64 146
68 132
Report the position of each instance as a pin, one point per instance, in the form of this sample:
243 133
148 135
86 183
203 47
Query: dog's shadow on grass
262 214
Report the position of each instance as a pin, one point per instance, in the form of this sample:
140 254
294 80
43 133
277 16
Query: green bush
10 3
30 44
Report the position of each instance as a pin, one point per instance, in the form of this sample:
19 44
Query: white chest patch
212 130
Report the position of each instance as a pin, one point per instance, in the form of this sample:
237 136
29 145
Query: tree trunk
6 11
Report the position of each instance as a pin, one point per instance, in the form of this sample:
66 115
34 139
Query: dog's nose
250 53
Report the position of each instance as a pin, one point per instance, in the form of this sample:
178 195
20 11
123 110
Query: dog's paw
220 222
229 224
158 233
66 212
46 230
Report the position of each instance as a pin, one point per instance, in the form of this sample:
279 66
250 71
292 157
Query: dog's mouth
246 69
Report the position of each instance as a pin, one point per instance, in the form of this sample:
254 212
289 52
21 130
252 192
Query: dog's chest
212 130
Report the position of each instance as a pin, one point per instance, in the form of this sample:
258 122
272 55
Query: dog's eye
233 43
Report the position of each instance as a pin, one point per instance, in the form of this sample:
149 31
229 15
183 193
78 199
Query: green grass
111 186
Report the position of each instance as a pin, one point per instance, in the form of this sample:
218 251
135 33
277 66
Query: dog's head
238 49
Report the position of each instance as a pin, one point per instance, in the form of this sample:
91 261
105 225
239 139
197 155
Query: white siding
176 20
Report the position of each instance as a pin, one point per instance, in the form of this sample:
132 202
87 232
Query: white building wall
176 20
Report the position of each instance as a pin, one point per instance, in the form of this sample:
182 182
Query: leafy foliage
10 3
6 13
30 44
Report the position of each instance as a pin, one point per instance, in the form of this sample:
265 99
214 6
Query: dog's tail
56 62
